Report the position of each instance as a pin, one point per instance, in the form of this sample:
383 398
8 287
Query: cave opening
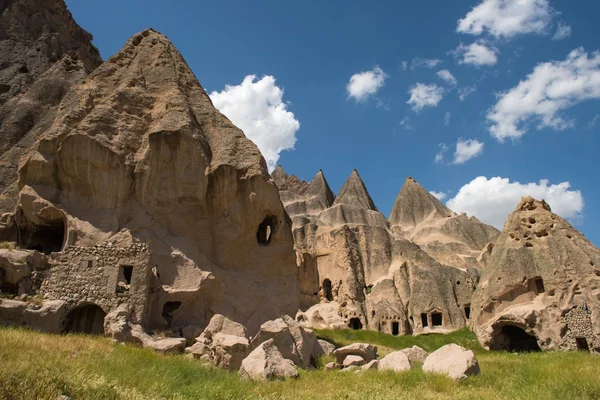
437 319
168 309
47 239
266 229
395 328
355 323
88 319
513 338
7 288
327 289
424 321
582 344
468 311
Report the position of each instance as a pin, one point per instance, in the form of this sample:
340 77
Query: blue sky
304 55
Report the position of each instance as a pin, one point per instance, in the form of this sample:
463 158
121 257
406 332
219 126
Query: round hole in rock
513 338
327 289
88 318
168 309
355 323
266 229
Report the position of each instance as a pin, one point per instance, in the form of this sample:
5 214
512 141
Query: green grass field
41 366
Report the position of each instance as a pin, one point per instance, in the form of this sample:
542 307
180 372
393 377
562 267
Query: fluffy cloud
466 91
439 195
447 118
467 149
551 88
563 31
365 84
508 18
406 124
422 95
491 200
477 54
447 77
256 107
424 62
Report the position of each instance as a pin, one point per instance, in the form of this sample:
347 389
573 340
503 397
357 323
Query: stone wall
98 275
578 324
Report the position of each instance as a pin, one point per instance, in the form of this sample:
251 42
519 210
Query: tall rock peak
354 193
319 186
414 204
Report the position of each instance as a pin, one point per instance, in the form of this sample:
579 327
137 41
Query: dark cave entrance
424 321
355 323
327 289
437 319
87 319
582 344
513 338
266 229
395 328
6 287
168 309
46 239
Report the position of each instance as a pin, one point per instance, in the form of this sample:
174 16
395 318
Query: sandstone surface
265 363
452 360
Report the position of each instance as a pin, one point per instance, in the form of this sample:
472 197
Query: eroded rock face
43 53
452 239
541 285
356 271
138 153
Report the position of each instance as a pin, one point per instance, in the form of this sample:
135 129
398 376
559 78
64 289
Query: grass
7 245
41 366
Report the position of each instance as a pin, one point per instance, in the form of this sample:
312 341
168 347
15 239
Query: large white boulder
397 361
415 354
265 363
452 360
367 351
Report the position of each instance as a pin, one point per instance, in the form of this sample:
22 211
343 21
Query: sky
481 101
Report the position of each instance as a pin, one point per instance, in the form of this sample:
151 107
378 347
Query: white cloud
594 121
404 65
406 124
508 18
256 107
439 195
491 200
477 54
563 31
465 92
447 118
365 84
551 88
439 157
422 95
467 149
424 62
447 77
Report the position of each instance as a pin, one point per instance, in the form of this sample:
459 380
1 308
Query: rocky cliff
541 285
349 259
138 153
43 52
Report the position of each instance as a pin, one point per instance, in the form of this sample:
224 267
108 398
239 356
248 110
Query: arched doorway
88 319
513 338
355 323
47 239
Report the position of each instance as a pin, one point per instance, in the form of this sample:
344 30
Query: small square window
124 278
436 319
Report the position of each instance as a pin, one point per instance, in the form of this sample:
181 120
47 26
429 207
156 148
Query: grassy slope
40 366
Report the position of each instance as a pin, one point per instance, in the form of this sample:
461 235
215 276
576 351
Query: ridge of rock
354 193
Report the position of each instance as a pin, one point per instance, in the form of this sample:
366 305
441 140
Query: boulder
353 361
265 363
116 324
221 324
368 352
322 347
370 366
198 350
397 361
452 360
322 316
295 342
228 351
330 366
415 354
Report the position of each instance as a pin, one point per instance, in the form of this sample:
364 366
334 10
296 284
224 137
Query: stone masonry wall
95 275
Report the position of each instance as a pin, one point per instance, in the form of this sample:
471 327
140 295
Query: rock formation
540 287
144 194
451 239
43 52
350 259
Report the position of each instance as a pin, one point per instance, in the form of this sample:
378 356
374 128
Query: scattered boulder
353 361
228 351
331 366
265 363
452 360
221 324
368 352
295 342
198 350
370 366
323 347
415 354
397 361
